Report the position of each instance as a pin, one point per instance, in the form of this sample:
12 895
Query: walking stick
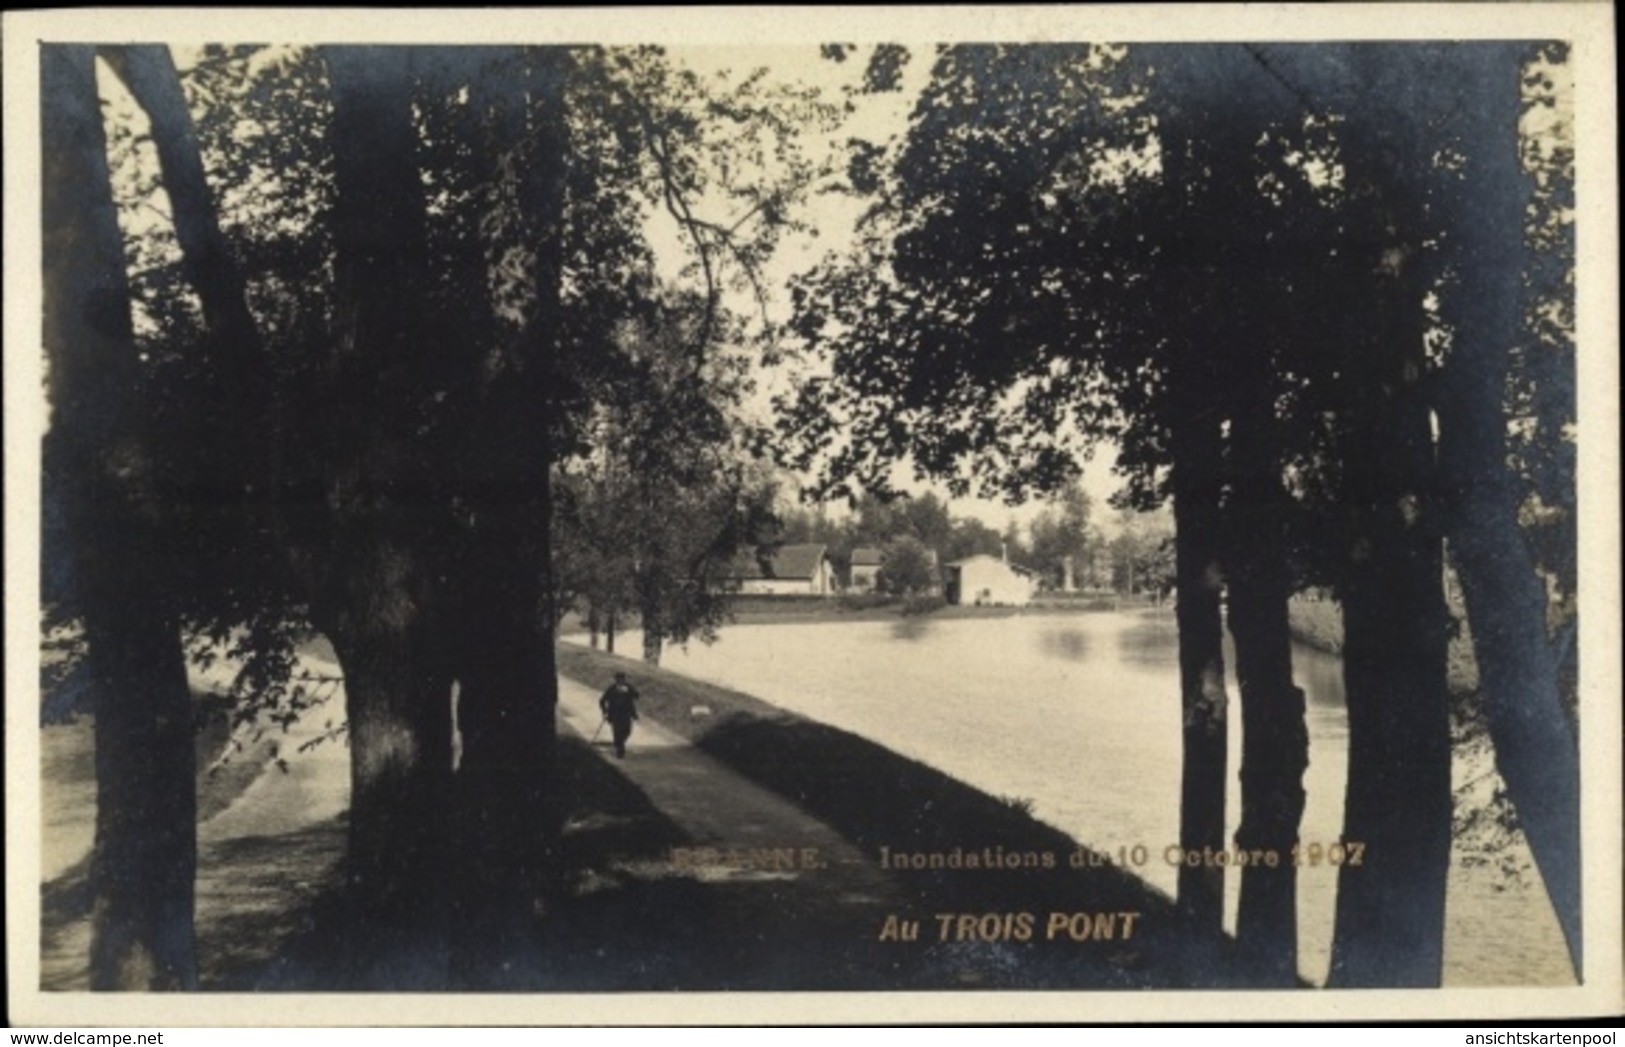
600 730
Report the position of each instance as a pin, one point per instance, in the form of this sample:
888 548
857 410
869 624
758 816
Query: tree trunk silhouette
1536 751
509 485
1535 746
508 824
144 861
379 597
1274 738
506 662
1203 701
398 695
144 865
1390 906
653 645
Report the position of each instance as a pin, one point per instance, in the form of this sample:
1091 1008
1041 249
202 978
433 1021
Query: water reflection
1320 675
1152 642
1065 643
912 627
1149 642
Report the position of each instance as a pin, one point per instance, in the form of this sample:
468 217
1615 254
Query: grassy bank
879 799
773 610
1319 623
761 610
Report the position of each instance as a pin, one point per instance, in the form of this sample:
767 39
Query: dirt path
747 826
761 894
684 873
263 857
266 857
753 884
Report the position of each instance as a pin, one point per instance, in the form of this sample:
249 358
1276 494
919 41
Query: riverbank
1319 624
772 610
952 848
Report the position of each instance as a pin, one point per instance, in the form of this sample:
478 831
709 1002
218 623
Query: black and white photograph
930 514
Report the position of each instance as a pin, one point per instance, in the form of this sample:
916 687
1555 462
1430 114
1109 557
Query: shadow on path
883 806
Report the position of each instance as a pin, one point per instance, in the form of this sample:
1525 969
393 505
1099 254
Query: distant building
791 570
866 562
865 573
983 580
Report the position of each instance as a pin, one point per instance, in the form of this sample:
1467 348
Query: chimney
1004 551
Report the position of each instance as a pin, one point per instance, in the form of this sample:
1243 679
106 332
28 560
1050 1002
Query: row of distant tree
651 524
1137 558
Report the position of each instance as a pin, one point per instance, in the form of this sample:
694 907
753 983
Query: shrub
865 601
923 604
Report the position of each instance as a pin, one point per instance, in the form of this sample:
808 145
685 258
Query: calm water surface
1079 713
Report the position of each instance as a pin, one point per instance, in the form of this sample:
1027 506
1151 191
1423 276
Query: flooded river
1079 714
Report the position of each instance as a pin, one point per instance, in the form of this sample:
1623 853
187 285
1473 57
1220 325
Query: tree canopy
389 296
1240 263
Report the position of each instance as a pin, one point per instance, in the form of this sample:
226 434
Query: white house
984 579
865 569
793 570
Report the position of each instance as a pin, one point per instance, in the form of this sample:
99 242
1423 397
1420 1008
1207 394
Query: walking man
620 708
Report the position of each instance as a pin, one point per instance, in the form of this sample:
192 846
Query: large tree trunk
508 825
507 660
1536 751
398 694
1535 746
1211 131
1390 908
144 861
144 865
381 593
1397 816
1274 739
511 690
1203 702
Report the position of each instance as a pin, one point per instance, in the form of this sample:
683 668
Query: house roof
789 561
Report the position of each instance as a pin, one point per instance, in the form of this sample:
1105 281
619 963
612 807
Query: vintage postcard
788 516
